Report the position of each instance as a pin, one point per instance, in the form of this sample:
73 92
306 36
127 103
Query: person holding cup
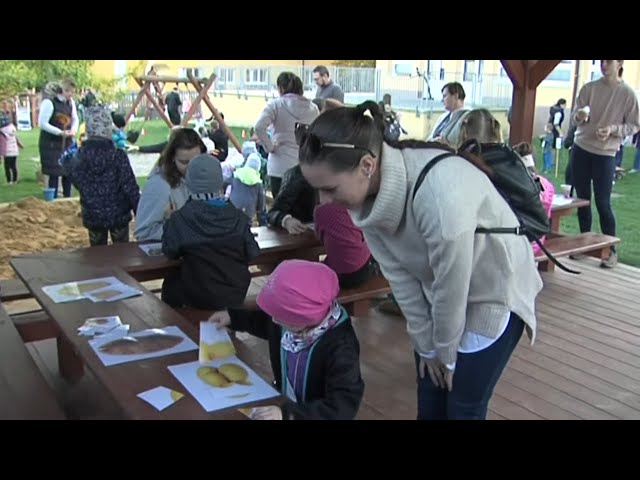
606 111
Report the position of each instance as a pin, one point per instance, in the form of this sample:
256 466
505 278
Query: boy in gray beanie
214 240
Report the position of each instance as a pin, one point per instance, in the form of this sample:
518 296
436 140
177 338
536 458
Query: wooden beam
523 109
221 121
515 70
540 70
132 111
202 92
155 103
167 79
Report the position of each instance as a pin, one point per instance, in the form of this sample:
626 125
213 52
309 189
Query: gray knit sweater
446 278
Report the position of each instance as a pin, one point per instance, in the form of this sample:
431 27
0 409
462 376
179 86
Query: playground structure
201 85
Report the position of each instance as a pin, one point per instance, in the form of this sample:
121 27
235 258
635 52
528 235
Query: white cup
566 190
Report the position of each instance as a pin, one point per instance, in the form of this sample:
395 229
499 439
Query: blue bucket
48 194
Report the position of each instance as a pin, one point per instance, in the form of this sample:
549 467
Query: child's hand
271 412
221 319
294 226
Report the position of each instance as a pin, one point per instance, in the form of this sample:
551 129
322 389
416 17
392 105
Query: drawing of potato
83 288
224 376
235 373
107 294
141 345
211 376
212 351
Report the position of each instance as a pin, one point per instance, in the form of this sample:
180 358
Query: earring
369 175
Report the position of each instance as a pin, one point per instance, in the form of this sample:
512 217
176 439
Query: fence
359 84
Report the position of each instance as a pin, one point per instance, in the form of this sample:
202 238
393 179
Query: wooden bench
592 244
25 392
356 300
13 289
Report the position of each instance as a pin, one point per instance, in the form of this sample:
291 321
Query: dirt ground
33 225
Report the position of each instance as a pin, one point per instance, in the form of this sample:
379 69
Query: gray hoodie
155 199
283 113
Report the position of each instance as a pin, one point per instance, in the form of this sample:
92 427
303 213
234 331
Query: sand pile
33 225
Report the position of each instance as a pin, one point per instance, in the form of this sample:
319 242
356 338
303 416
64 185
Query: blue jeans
475 378
547 160
589 168
636 161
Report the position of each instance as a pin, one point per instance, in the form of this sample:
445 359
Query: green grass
626 207
29 164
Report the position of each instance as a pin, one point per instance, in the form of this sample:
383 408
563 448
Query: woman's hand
440 375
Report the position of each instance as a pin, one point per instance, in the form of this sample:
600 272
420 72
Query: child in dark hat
214 240
315 354
109 192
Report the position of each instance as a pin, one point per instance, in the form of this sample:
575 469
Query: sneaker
577 256
611 261
633 170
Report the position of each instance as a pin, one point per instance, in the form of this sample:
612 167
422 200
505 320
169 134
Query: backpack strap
426 169
516 230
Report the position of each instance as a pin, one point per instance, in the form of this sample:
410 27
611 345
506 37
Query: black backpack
516 185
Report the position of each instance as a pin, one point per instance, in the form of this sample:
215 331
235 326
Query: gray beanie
98 122
204 175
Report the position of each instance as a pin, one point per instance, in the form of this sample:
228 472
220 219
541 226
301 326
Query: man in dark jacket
174 102
214 240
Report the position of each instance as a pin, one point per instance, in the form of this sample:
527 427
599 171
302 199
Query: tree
355 63
19 75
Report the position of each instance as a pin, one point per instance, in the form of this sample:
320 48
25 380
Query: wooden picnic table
559 211
125 381
275 244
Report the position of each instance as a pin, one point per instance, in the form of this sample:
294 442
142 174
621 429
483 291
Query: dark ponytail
343 135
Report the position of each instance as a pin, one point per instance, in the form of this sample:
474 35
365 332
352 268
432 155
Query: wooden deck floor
585 363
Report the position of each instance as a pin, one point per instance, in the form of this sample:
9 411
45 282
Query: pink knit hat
299 293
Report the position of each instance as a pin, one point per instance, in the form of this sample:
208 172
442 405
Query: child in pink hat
318 364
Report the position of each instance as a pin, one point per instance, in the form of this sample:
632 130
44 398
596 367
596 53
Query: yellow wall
547 94
105 69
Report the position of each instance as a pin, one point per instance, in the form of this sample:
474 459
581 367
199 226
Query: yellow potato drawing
234 373
211 351
176 395
210 376
86 287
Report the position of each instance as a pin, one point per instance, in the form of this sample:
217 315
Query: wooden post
525 75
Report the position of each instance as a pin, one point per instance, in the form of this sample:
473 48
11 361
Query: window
185 71
563 73
473 70
256 76
226 75
404 68
594 70
435 70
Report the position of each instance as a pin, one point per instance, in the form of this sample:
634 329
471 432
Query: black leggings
11 169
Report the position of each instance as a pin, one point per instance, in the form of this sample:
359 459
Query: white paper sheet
214 343
113 350
249 387
161 397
